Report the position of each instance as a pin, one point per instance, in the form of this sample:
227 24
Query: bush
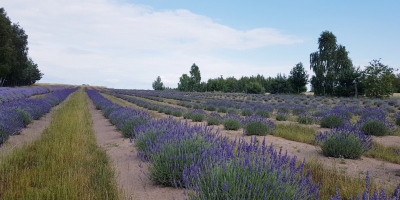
186 115
177 113
305 118
282 116
374 126
196 106
396 118
258 125
245 177
247 112
331 121
232 110
344 141
222 110
161 172
254 88
210 108
232 122
263 113
214 119
168 111
197 115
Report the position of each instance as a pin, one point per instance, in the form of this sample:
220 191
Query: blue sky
127 44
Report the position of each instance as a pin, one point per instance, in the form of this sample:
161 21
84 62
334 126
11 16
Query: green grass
385 153
334 176
65 163
295 132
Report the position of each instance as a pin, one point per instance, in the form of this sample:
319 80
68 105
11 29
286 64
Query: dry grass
65 163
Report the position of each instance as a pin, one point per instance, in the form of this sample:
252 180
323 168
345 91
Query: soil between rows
130 170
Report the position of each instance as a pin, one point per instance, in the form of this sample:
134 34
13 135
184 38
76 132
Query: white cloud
107 42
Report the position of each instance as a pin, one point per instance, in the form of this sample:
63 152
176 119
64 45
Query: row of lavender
207 164
371 121
344 141
18 114
13 94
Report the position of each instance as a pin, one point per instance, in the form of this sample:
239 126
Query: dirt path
131 178
385 173
32 132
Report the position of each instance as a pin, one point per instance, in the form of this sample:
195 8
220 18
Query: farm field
99 143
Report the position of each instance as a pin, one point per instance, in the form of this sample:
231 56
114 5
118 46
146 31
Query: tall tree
298 78
327 63
158 84
378 79
195 78
15 65
184 83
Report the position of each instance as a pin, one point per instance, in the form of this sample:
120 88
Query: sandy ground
383 172
32 132
130 170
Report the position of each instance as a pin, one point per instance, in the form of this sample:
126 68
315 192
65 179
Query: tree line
16 67
334 75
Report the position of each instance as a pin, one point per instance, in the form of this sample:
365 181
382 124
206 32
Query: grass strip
65 163
295 132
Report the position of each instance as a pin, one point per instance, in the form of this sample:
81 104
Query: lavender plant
197 115
305 118
282 116
376 125
214 119
254 171
232 121
258 125
343 141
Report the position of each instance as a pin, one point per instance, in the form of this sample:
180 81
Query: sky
128 43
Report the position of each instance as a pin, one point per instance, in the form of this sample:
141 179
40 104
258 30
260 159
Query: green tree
15 66
184 83
327 63
280 85
378 79
195 78
298 78
157 84
255 88
346 82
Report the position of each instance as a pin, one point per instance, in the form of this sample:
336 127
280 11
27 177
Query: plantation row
348 120
167 152
13 94
16 115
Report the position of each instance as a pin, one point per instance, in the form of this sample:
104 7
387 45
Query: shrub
258 125
214 119
168 111
247 112
186 115
222 110
196 106
245 177
232 121
305 118
210 108
263 113
177 113
333 119
374 125
396 118
232 110
282 116
197 115
283 109
344 141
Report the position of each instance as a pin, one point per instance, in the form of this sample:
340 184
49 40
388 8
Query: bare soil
130 170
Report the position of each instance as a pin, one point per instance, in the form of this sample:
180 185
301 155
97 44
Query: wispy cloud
107 40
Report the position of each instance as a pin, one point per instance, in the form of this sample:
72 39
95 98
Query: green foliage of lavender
331 120
282 116
258 125
214 119
263 113
255 171
232 121
343 141
247 112
305 118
